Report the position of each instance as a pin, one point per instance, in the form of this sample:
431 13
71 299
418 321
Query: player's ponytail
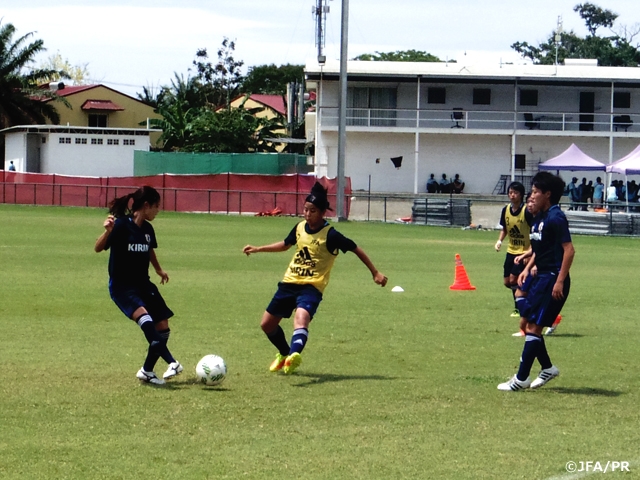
132 202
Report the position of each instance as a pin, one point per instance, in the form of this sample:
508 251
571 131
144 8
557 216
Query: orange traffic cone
461 281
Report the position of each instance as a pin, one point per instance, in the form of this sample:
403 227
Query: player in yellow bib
317 246
516 222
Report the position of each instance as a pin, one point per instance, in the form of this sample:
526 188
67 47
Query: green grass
393 385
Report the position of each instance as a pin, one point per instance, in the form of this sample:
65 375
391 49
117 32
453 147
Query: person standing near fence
317 246
515 220
598 193
132 242
553 254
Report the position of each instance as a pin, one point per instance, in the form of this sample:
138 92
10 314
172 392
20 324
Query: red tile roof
275 102
101 105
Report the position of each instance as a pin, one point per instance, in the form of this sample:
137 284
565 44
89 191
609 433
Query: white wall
15 148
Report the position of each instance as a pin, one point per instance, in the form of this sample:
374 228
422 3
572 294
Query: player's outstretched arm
101 242
378 277
274 247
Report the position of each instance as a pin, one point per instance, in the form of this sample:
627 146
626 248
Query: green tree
400 56
78 74
614 50
221 80
21 101
272 79
234 130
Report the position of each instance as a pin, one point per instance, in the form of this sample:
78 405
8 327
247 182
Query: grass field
393 385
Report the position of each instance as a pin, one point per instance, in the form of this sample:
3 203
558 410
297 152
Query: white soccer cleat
513 385
550 330
174 369
545 375
149 377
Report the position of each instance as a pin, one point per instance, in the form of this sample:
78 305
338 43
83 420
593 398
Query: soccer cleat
174 369
149 377
513 385
292 362
544 376
515 313
278 363
553 327
518 334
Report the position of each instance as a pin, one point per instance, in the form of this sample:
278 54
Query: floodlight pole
342 111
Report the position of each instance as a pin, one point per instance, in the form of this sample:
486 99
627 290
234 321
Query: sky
128 45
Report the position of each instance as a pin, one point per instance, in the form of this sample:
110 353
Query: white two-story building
485 123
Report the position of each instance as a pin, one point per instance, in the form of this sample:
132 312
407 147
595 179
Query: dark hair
119 207
318 197
548 182
518 187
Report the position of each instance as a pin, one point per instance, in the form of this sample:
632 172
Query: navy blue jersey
130 251
335 240
549 231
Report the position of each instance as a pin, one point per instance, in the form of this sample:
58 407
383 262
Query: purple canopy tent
572 159
627 165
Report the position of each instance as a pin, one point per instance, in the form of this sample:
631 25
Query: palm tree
21 101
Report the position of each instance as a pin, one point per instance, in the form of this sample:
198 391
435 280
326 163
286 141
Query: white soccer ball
211 370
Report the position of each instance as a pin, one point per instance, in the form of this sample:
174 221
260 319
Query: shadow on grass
596 392
318 378
565 335
188 383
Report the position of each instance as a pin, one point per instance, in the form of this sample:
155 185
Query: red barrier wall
227 193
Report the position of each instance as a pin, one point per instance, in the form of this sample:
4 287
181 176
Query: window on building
369 106
129 141
97 120
437 95
621 100
113 141
529 98
96 141
64 140
81 141
482 96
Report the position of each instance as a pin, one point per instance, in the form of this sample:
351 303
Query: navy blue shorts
291 296
129 298
539 306
511 268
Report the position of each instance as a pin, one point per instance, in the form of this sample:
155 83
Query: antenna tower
320 13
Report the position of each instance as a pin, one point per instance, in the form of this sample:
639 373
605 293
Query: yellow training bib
312 262
518 231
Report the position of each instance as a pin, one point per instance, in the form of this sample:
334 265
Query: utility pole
342 114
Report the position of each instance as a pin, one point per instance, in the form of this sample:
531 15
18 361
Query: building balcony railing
483 120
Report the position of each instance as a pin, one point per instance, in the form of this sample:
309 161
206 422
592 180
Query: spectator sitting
432 184
12 167
445 184
458 185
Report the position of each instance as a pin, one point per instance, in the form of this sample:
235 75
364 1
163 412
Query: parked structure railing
482 119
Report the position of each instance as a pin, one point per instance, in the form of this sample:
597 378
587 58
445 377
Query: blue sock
299 340
543 356
279 340
157 344
530 351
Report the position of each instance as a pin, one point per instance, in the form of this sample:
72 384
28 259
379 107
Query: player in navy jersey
317 246
553 254
132 241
